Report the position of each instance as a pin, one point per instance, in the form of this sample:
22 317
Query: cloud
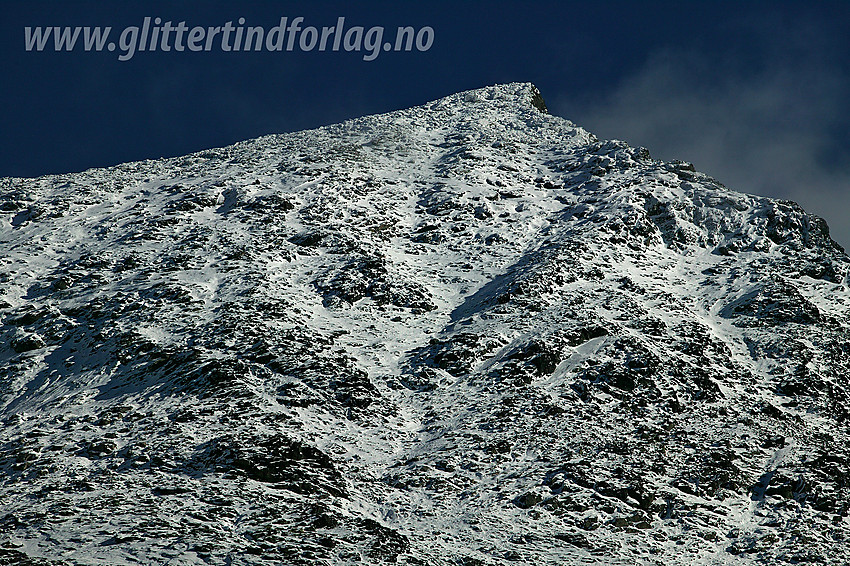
768 123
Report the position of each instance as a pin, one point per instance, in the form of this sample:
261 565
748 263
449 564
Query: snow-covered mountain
467 333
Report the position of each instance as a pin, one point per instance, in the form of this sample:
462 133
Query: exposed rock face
464 333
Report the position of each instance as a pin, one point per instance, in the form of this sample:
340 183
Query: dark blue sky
753 93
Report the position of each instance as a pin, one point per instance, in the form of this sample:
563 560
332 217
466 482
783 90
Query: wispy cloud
766 122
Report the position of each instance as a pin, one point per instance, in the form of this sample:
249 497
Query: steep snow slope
464 333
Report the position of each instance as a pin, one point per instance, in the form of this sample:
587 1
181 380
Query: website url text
156 35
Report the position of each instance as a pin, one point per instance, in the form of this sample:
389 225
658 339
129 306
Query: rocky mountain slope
467 333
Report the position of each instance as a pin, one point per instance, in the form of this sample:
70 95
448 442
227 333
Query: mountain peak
465 332
524 94
506 98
